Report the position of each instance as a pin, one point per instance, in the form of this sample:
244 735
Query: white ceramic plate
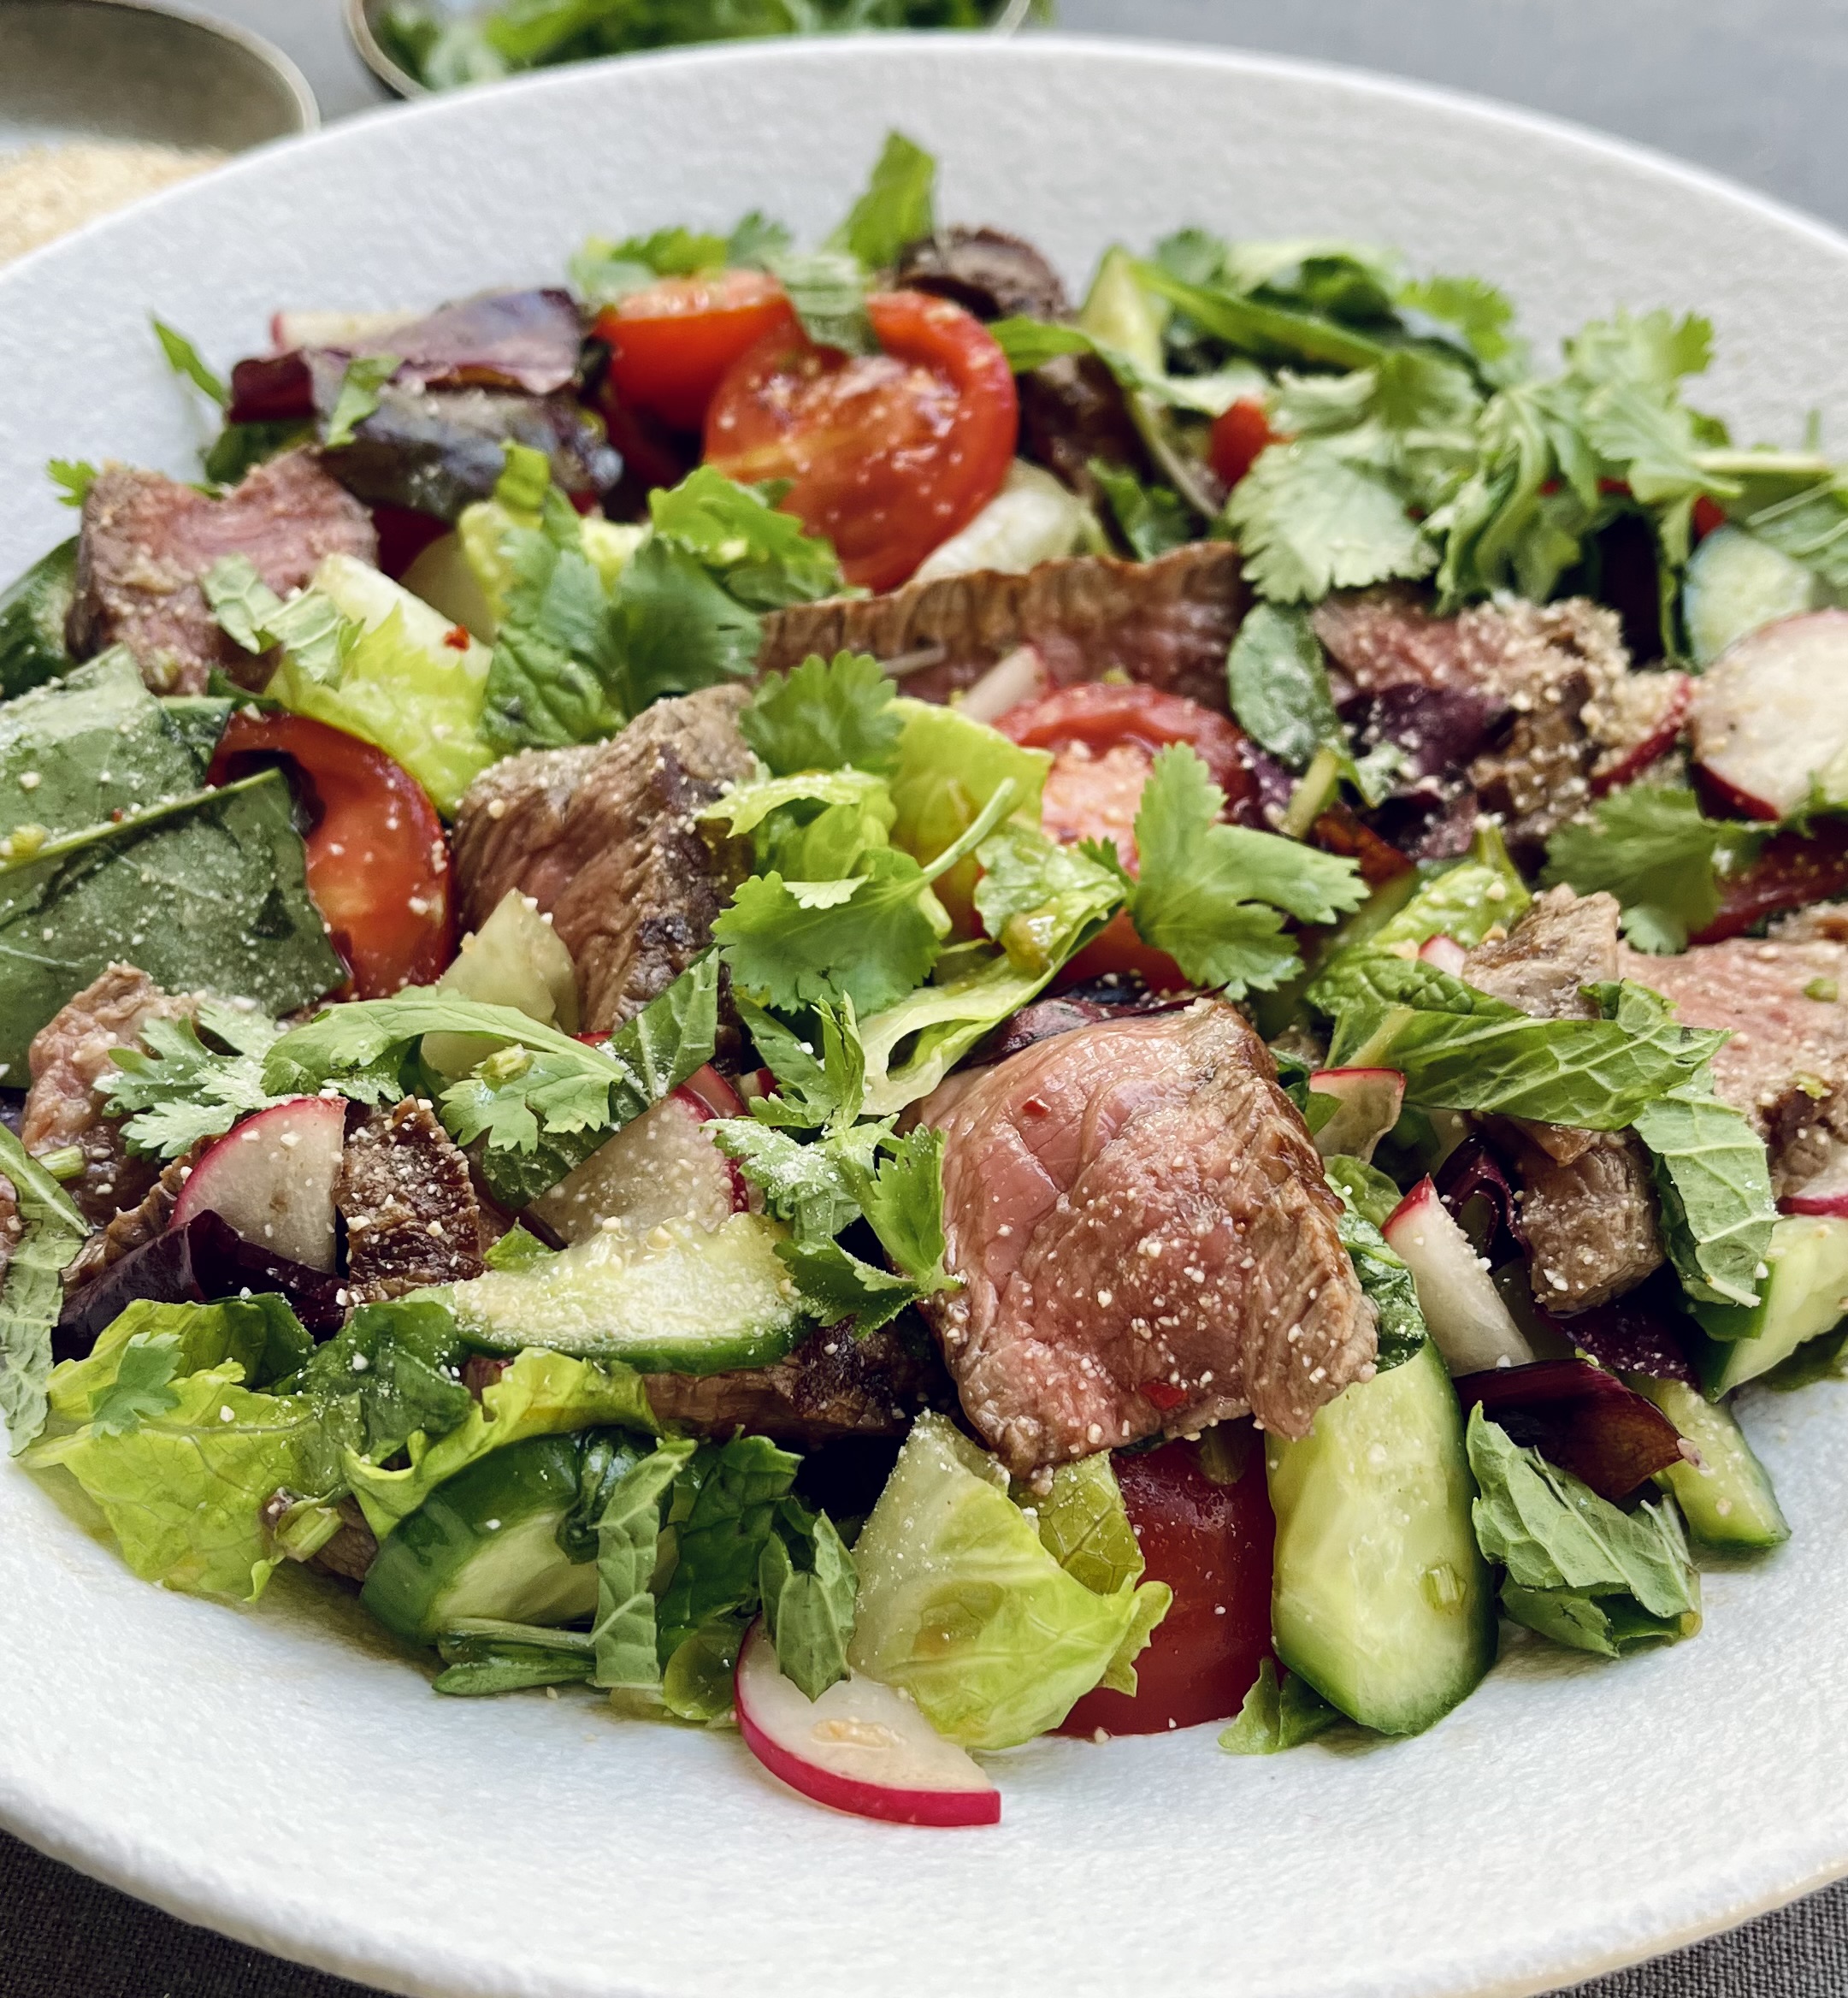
282 1774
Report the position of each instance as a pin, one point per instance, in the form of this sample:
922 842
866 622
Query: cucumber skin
1797 1303
1729 1500
1325 1625
421 1561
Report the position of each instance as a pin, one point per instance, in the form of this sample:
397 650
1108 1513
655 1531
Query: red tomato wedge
670 343
1212 1545
378 864
1104 737
886 454
1237 437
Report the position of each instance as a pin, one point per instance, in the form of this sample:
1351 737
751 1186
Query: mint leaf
724 1503
1210 894
623 1637
358 396
826 714
1384 1277
1650 846
183 358
31 1291
807 1583
1279 682
896 208
1579 1571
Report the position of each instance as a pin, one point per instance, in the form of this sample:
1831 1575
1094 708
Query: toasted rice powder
49 190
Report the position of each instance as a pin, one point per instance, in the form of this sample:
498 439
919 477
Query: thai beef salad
1148 1015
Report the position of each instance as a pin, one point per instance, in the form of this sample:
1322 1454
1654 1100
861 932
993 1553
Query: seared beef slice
411 1216
1146 1242
1587 1201
607 838
147 541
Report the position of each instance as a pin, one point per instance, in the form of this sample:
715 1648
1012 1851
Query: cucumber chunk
1727 1498
1735 584
1804 1296
33 610
1382 1600
681 1299
485 1543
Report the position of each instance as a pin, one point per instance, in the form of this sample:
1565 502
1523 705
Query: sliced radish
661 1167
1012 681
1446 953
1461 1306
861 1747
1823 1192
1370 1099
1662 737
271 1179
1770 715
715 1091
292 331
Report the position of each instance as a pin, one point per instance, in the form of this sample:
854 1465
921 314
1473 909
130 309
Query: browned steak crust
411 1211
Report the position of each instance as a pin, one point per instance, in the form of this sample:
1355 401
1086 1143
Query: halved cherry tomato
1237 437
1212 1545
1710 516
671 344
888 454
1104 737
378 864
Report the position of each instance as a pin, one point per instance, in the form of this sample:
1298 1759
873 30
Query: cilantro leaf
809 1092
604 272
841 1286
676 628
897 208
74 477
765 558
1309 521
31 1291
183 358
180 1090
1479 313
826 714
1210 894
358 396
1279 681
142 1387
802 1184
1650 847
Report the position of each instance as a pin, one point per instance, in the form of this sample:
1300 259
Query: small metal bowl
362 17
152 74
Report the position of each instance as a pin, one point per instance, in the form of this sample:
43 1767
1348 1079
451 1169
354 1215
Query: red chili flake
458 636
1163 1395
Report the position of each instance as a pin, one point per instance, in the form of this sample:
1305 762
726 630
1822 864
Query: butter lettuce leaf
1275 1716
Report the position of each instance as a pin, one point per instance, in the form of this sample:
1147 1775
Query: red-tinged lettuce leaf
1437 729
529 341
1045 1018
1580 1418
1473 1172
1644 1331
199 1263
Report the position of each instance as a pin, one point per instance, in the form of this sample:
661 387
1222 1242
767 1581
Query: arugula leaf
1461 1050
1579 1571
623 1637
1308 520
1275 1716
180 1090
183 358
825 715
1153 519
358 395
897 208
1711 1171
733 1490
31 1293
1650 847
1279 681
807 1583
1210 894
74 477
765 558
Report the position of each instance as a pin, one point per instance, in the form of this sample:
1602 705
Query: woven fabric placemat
64 1936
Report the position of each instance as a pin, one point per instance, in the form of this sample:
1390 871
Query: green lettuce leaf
962 1607
31 1292
543 1393
1650 847
897 208
1278 1716
399 1363
623 1639
827 714
807 1581
724 1513
1461 1050
1579 1571
1084 1525
259 1335
1213 897
205 893
696 1682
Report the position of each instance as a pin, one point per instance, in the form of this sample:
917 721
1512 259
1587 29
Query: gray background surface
1750 88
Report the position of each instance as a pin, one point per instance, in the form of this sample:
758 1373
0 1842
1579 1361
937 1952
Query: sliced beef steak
1587 1203
1146 1240
410 1208
605 838
147 541
832 1384
69 1054
1166 623
1787 1064
985 271
1559 673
